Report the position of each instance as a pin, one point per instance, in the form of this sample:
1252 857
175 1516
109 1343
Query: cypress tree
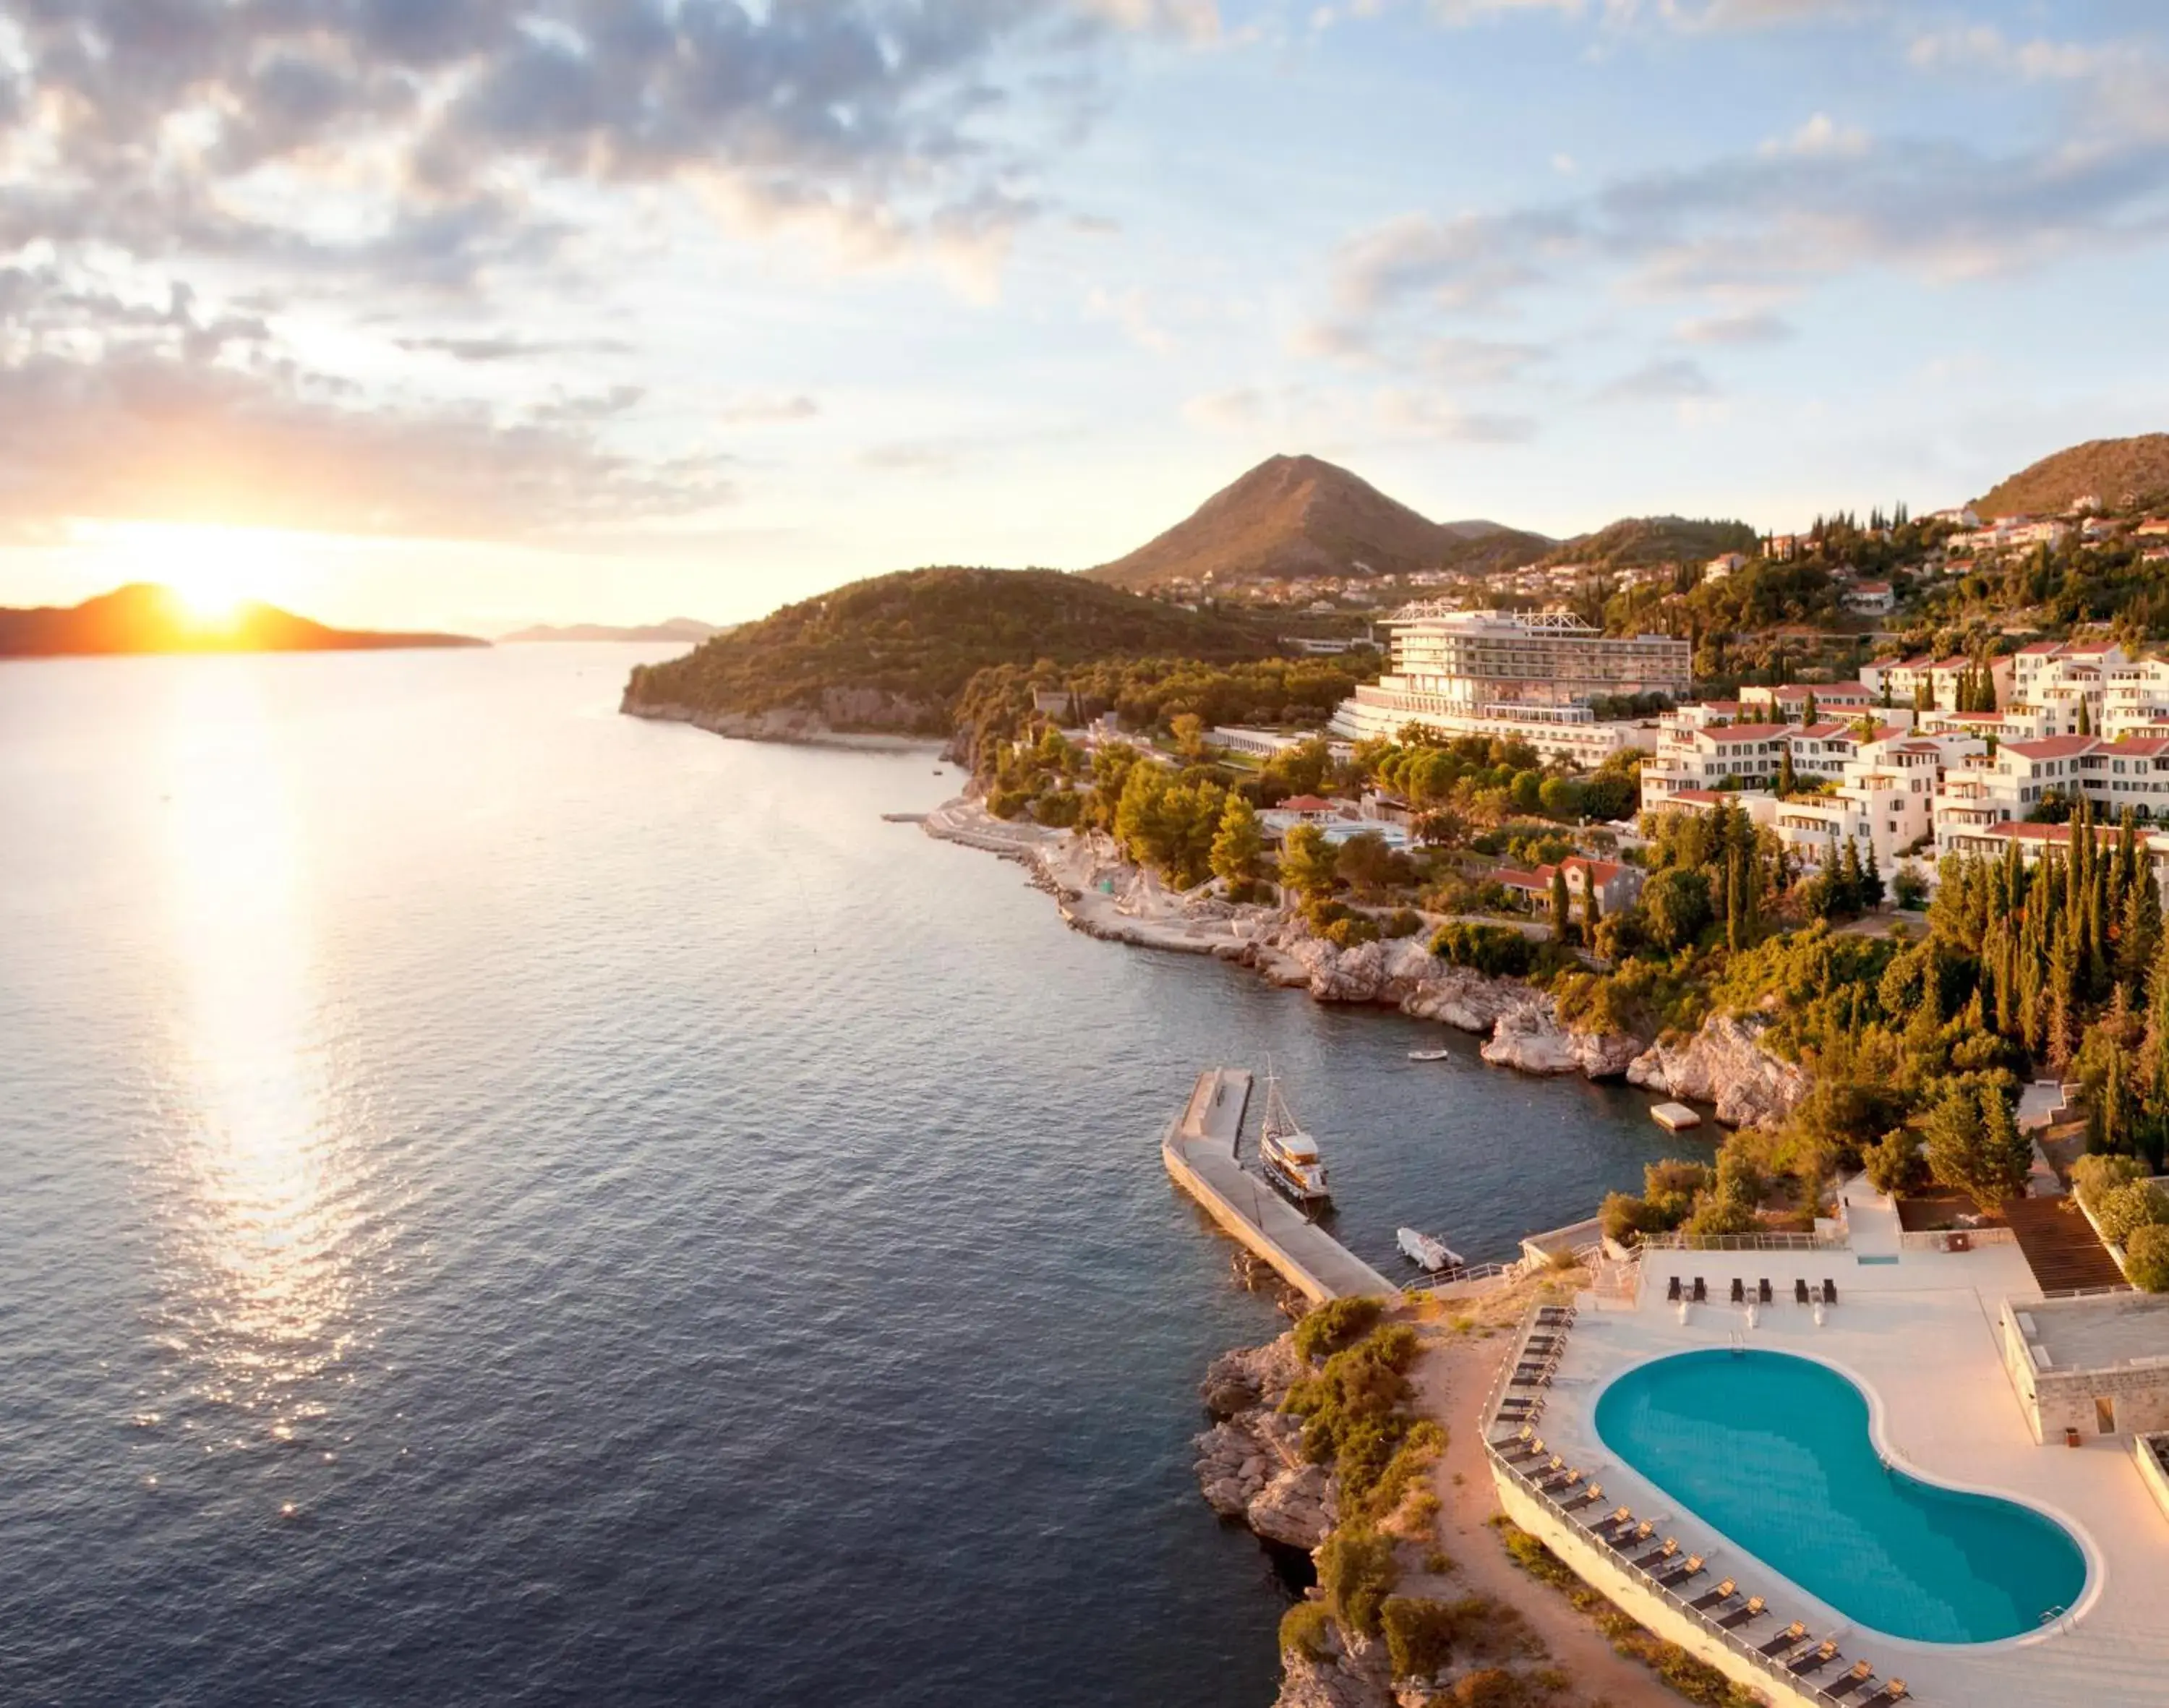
1562 923
1850 884
1871 880
2138 944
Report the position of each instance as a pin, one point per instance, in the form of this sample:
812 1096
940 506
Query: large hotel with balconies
1526 676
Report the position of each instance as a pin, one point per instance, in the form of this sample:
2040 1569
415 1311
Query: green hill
894 653
2117 473
1638 542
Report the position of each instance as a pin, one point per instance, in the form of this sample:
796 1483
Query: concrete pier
1199 1149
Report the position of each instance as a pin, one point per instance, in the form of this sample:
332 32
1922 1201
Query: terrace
1916 1328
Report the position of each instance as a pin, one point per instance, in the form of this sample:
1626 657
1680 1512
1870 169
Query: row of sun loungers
1699 1293
1793 1648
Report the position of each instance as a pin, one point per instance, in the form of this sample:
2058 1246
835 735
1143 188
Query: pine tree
1239 846
1735 914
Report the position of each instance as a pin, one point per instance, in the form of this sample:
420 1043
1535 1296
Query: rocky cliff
1725 1063
1249 1463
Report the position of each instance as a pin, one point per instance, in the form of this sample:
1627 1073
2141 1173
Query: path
1450 1383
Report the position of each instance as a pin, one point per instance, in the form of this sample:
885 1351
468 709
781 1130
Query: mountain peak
1298 515
2113 471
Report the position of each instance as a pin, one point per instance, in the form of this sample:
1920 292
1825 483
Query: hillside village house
1723 566
1788 702
1871 598
1617 886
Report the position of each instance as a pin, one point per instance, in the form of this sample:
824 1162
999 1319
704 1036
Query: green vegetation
2146 1258
1695 1679
1425 1637
899 651
1497 952
1307 1629
1356 1572
1335 1325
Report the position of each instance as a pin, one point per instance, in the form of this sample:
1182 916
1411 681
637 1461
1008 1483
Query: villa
1816 1462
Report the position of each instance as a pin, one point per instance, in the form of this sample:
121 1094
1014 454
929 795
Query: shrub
2123 1210
1352 1408
1307 1628
1341 1322
1401 922
1492 1688
2094 1176
1530 1553
1497 952
1356 1570
1419 1635
2146 1258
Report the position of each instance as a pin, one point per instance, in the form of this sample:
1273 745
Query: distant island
690 629
144 618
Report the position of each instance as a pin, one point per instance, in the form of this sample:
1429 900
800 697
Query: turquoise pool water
1775 1452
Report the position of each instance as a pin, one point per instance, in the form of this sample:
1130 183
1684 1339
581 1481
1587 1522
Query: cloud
1237 409
429 136
1665 379
768 408
1132 311
914 456
1735 329
120 409
1415 414
504 347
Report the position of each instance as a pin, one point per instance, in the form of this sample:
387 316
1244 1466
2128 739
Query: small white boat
1674 1118
1428 1253
1429 1054
1289 1153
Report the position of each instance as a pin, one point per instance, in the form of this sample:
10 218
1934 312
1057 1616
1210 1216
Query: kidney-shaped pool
1775 1452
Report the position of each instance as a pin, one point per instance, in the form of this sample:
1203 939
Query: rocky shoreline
792 725
1724 1065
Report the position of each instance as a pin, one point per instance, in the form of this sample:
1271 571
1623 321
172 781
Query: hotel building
1520 676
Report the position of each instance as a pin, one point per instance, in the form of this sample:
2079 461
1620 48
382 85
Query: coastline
786 725
1724 1066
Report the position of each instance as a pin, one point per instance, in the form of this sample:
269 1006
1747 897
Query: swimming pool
1775 1452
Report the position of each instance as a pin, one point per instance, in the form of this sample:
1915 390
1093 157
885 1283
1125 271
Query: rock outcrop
1531 1039
1251 1464
1725 1063
1353 1675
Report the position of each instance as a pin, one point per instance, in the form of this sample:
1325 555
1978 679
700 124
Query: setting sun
212 572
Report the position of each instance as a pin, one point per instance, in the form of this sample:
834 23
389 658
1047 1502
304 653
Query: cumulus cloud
768 409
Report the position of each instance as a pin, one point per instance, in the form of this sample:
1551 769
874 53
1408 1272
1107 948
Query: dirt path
1451 1382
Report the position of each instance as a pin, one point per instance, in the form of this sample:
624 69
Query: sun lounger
1672 1291
1829 1291
1588 1497
1790 1637
1618 1518
1649 1562
1680 1574
1634 1538
1762 1289
1815 1660
1527 1445
1701 1291
1800 1291
1715 1598
1754 1607
1738 1291
1859 1679
1895 1691
1557 1482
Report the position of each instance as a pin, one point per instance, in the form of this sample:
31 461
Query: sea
504 1203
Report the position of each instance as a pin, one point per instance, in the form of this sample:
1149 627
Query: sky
472 313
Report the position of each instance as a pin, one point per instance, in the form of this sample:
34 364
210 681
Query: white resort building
1520 676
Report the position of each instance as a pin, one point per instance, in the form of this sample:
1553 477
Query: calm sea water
502 1203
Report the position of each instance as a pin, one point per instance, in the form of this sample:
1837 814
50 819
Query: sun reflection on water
264 1214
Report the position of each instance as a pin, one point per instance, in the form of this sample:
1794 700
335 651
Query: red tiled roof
2054 747
2138 747
1700 798
1600 871
1823 731
1748 732
2040 649
1305 803
1511 877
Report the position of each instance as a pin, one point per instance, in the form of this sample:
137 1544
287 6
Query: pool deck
1917 1330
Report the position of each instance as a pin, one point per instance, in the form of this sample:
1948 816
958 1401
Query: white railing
1772 1667
1746 1242
1939 1238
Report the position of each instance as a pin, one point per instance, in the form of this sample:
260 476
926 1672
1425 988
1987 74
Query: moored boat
1429 1054
1427 1252
1290 1155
